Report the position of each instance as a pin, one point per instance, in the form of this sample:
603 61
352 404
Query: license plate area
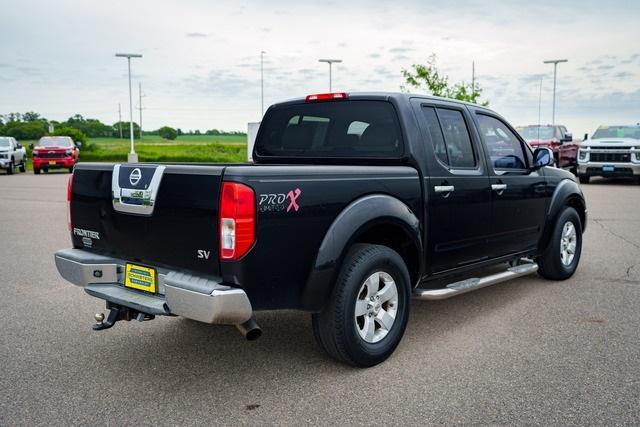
608 168
141 278
52 162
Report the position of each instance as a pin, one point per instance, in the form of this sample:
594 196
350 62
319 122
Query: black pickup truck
355 203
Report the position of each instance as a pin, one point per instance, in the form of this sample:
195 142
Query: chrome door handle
499 188
444 189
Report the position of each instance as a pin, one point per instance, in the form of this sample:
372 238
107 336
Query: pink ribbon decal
293 195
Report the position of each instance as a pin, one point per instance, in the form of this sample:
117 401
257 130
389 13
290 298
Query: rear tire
584 179
23 166
366 315
71 170
36 171
561 257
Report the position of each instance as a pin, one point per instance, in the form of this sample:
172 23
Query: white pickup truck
12 155
612 152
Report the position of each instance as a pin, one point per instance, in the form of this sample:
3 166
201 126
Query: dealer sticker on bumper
141 278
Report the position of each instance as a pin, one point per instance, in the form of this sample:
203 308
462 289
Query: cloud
606 67
196 34
532 78
622 75
373 55
400 49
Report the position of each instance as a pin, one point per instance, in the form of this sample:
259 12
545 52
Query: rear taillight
69 187
237 220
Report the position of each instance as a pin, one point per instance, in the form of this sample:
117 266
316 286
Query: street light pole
140 96
262 83
330 62
555 63
132 157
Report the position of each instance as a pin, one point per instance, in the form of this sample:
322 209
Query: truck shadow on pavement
185 350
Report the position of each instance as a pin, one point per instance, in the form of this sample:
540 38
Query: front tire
10 168
23 166
561 257
36 171
367 313
584 179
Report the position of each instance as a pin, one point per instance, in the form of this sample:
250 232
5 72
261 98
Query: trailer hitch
117 313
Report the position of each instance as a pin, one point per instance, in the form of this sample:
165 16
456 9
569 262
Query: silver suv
613 151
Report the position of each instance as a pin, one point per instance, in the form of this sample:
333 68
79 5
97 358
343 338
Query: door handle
499 188
444 189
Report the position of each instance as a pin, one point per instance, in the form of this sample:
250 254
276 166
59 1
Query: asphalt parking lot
528 351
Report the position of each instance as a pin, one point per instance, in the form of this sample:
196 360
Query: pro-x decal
276 202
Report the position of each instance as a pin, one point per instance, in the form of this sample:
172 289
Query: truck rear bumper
181 294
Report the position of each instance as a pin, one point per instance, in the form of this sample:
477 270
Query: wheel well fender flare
355 219
567 193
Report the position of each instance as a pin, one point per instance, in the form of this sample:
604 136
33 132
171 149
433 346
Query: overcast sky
201 64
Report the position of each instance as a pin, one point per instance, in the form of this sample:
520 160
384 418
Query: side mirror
18 145
31 146
542 157
78 144
568 137
586 136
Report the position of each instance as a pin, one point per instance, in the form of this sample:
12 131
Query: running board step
468 285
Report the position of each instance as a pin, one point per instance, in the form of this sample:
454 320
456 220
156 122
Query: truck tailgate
177 228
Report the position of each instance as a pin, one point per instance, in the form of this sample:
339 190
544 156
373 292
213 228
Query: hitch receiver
116 313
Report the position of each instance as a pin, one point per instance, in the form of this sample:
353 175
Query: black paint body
297 254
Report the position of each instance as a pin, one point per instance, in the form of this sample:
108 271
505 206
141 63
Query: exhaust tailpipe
250 329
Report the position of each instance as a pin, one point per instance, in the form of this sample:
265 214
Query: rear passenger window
504 148
456 136
450 137
437 139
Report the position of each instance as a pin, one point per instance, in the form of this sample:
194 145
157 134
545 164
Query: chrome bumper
180 294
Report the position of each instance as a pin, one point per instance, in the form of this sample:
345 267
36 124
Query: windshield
531 133
5 142
617 132
348 129
56 141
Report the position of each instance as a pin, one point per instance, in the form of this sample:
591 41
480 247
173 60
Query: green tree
25 130
115 131
30 116
427 77
93 128
75 134
167 132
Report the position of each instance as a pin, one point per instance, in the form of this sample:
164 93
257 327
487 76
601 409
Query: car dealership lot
528 351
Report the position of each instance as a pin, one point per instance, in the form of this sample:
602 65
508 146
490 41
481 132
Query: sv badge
202 254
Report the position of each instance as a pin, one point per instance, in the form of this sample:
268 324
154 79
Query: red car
555 137
55 152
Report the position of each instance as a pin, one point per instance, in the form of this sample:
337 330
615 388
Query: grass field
187 148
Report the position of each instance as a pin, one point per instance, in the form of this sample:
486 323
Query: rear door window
350 129
437 139
450 137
